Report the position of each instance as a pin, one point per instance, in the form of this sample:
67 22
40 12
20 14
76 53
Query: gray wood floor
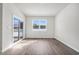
40 47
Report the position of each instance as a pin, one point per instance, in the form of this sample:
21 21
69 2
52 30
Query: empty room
39 28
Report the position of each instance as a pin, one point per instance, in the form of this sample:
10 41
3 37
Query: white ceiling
40 9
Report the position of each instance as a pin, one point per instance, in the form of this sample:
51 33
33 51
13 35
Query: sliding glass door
17 29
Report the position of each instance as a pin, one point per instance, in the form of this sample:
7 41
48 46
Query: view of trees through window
39 24
35 26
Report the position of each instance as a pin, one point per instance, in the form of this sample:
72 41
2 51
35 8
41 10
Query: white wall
67 26
49 33
0 27
8 11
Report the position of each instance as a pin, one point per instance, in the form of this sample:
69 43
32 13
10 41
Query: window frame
40 20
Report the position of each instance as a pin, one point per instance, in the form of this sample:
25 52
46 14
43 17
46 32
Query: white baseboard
67 44
10 46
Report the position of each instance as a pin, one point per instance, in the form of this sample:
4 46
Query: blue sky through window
16 21
39 22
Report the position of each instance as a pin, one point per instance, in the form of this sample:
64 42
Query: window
39 24
17 27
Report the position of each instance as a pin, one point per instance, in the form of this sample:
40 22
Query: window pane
35 26
42 27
